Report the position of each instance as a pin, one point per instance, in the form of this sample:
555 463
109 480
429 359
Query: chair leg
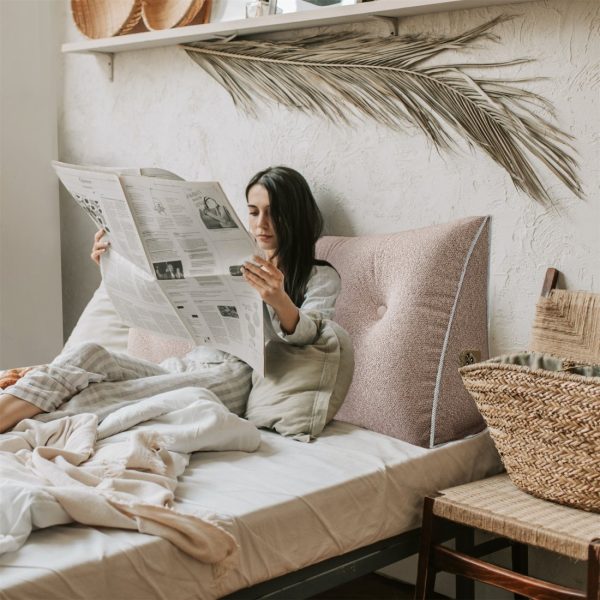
465 587
426 570
520 562
593 586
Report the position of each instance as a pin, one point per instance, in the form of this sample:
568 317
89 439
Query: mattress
289 505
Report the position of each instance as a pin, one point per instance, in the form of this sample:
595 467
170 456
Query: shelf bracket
107 60
394 23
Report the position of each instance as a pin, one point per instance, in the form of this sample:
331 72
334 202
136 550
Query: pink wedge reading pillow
415 305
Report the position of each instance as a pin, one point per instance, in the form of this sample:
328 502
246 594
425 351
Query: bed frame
335 571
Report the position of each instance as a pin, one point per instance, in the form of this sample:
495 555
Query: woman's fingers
265 269
270 278
265 278
99 247
259 284
259 260
256 269
266 265
256 272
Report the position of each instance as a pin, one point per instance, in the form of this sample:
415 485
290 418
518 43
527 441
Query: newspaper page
100 194
176 253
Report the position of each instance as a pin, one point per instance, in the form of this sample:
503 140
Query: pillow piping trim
438 378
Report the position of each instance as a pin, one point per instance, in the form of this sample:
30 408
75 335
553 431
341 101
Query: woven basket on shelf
106 18
545 423
158 14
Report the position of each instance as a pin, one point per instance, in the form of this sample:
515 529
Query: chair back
567 323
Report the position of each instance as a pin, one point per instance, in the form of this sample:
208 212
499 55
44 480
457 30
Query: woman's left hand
267 280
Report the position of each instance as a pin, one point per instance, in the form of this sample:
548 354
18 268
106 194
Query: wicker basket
545 422
158 14
106 18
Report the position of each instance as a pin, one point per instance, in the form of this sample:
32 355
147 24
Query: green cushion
304 386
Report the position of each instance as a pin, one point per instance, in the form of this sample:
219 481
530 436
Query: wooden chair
566 324
495 505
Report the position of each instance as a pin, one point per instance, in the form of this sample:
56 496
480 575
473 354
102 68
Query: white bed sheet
289 505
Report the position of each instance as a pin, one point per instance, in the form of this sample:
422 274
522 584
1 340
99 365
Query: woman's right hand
99 247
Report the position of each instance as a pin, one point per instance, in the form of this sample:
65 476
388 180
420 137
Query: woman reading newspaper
297 289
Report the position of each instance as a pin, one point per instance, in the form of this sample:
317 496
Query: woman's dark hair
298 224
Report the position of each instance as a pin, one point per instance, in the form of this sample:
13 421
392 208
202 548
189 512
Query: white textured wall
30 278
162 109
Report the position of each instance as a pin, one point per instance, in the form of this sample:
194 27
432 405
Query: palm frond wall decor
390 80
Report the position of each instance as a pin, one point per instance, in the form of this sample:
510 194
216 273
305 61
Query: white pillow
100 323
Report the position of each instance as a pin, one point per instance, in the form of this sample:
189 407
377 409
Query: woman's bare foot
13 410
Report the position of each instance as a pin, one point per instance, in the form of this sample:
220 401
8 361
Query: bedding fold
121 472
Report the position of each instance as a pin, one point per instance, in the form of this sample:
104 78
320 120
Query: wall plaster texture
163 110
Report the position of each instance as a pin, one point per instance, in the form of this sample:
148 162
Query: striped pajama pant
89 378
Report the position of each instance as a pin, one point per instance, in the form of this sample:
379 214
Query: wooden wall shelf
330 15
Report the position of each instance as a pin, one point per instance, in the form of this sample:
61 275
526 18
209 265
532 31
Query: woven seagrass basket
543 414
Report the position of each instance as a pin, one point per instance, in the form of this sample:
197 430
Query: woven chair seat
497 506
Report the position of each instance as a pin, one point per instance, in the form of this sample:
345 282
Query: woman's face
261 226
210 204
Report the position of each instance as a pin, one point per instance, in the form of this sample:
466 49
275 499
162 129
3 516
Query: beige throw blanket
121 472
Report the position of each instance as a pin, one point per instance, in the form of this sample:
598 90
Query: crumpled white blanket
121 472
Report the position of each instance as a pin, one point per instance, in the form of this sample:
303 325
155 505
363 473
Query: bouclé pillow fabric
155 348
415 306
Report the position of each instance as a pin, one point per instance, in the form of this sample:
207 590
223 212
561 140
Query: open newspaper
177 247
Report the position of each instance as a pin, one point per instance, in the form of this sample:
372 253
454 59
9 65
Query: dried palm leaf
389 80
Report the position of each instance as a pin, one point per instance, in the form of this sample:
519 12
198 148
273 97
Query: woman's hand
268 281
99 247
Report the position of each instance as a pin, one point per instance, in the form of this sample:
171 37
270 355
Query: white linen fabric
288 505
119 473
99 323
